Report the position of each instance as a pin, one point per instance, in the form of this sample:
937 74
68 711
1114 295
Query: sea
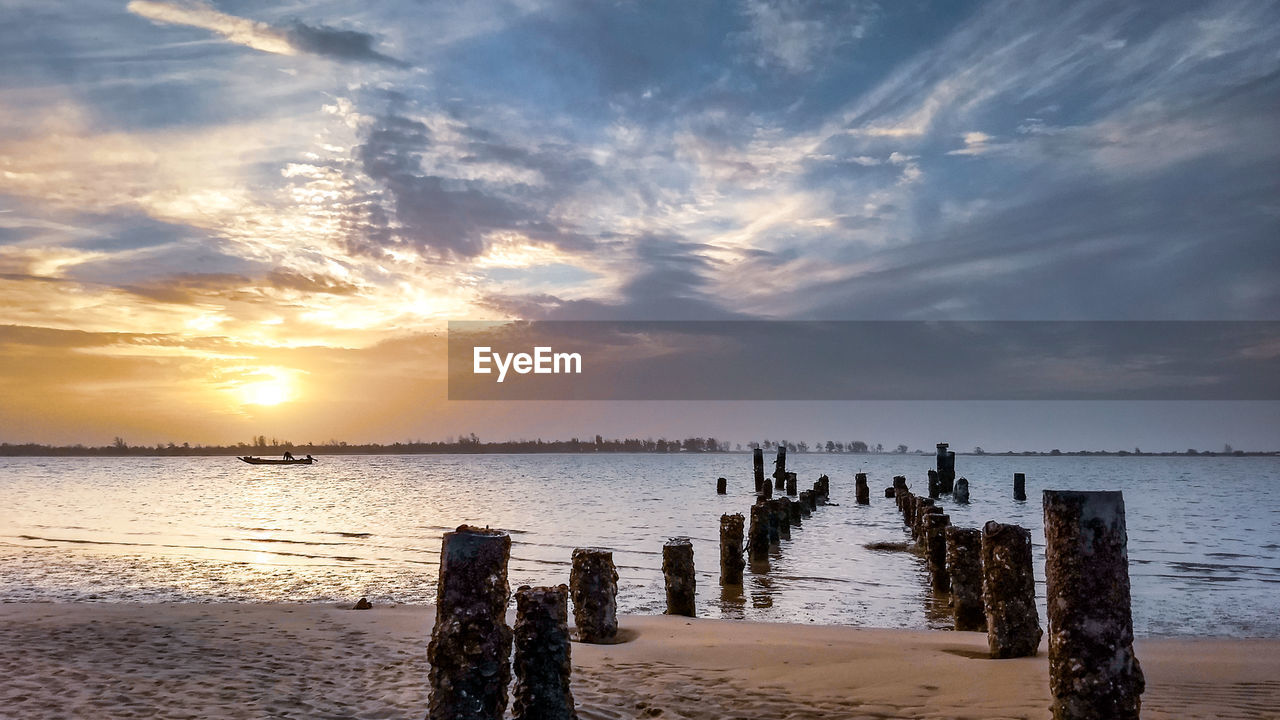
1204 532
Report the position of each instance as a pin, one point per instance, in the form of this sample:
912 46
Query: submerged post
758 535
862 491
935 550
964 565
1009 591
593 584
1019 486
731 562
962 491
1093 671
470 646
757 465
541 660
677 570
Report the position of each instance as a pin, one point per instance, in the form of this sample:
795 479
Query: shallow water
1204 547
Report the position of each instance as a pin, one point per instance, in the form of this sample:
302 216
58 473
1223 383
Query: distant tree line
470 443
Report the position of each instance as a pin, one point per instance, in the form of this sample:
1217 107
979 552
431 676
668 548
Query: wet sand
314 661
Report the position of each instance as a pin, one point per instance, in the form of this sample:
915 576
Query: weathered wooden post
722 486
946 468
961 492
791 484
542 665
935 550
758 535
917 510
964 565
797 516
757 464
1009 591
889 492
900 483
1019 486
922 522
1093 672
775 524
908 507
766 491
783 513
806 503
780 467
861 491
935 485
731 562
593 585
677 571
470 646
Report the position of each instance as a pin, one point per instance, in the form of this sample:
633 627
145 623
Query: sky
223 219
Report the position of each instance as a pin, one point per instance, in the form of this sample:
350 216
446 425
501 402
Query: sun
266 387
266 392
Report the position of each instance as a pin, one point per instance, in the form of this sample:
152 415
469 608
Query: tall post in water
946 468
961 492
757 464
766 491
780 467
470 646
758 535
1009 591
935 550
900 483
677 571
935 484
806 503
731 562
542 665
791 484
916 511
797 515
722 486
593 584
1019 486
1093 672
862 490
964 565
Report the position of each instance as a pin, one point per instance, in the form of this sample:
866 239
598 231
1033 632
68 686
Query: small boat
264 461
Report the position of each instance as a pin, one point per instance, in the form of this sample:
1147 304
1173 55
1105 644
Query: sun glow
266 387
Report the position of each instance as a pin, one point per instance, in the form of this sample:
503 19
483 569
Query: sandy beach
315 661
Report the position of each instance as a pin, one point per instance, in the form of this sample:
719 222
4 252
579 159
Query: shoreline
180 660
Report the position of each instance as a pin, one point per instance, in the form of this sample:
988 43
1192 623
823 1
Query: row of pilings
988 573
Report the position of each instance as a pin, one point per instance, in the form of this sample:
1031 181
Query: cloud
293 39
798 35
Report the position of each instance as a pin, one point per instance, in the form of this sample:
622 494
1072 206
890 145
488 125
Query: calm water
1204 546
